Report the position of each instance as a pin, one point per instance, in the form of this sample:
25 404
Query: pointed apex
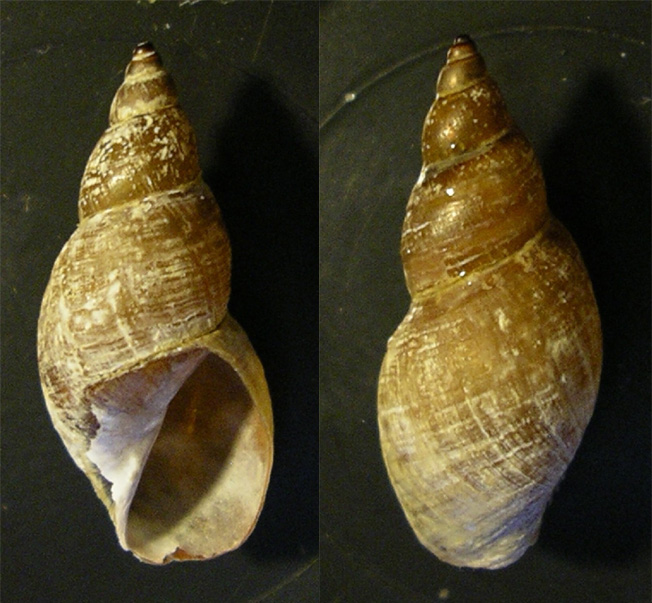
147 87
144 50
463 39
468 112
464 66
463 47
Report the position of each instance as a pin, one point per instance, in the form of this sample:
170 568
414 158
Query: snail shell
154 389
490 380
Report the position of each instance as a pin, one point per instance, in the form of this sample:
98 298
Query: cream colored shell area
130 283
484 395
148 153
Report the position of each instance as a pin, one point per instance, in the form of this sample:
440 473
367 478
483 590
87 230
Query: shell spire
147 87
467 126
468 111
137 156
464 66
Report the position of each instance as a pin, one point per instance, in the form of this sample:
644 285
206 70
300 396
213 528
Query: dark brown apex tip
463 39
463 47
464 66
143 51
144 60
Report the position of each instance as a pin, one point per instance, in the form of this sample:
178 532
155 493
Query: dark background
247 78
576 77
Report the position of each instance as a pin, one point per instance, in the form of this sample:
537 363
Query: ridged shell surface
154 389
490 380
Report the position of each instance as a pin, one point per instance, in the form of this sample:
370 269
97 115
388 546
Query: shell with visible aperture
153 387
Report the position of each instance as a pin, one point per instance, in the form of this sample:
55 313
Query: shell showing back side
154 389
490 380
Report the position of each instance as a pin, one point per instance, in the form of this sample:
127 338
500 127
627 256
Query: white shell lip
124 440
